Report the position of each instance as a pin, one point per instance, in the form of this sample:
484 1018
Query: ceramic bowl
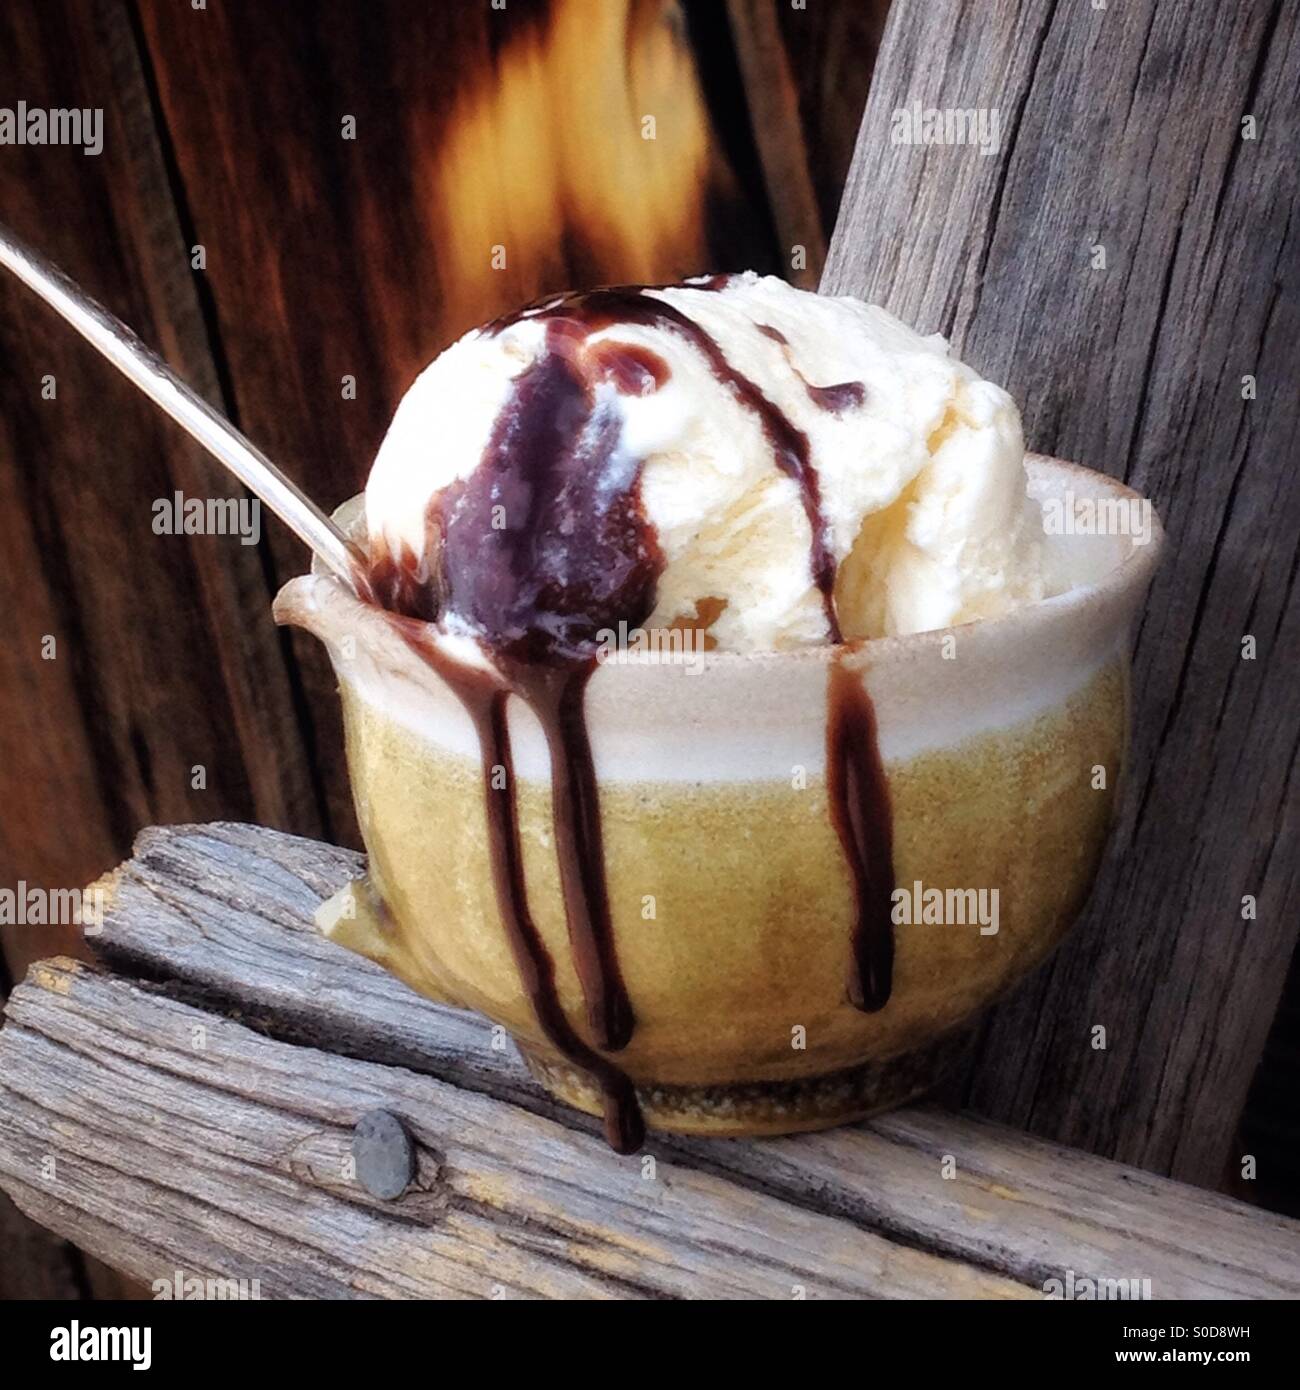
1003 742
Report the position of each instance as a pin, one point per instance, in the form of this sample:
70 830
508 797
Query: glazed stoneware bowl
731 904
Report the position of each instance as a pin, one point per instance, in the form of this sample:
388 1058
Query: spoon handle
142 366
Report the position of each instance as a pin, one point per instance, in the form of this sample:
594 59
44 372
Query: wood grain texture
247 1178
156 669
1270 1128
773 98
1121 128
804 79
831 51
245 1135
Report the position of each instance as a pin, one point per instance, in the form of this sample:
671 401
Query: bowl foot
772 1107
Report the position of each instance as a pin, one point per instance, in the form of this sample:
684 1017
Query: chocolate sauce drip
543 548
398 586
555 694
835 399
485 701
846 395
634 370
540 549
598 309
856 785
858 791
545 544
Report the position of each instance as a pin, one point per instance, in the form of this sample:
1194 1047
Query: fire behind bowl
731 903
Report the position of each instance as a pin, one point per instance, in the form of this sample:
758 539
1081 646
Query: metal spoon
218 436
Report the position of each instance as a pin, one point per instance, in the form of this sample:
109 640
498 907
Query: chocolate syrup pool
573 560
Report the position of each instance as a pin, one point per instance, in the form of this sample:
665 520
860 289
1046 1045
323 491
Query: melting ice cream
767 466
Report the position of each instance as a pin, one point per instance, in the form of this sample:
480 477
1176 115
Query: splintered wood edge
56 974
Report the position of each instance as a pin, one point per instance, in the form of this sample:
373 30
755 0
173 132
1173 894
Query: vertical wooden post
1125 260
128 658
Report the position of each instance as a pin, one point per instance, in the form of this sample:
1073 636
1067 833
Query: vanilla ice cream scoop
776 466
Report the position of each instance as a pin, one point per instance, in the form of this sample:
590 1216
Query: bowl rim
1125 581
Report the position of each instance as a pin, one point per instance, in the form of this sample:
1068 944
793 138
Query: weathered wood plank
224 1154
227 910
1121 129
223 915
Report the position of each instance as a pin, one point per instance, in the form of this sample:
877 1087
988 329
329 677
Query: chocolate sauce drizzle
836 399
599 309
485 700
858 792
537 551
